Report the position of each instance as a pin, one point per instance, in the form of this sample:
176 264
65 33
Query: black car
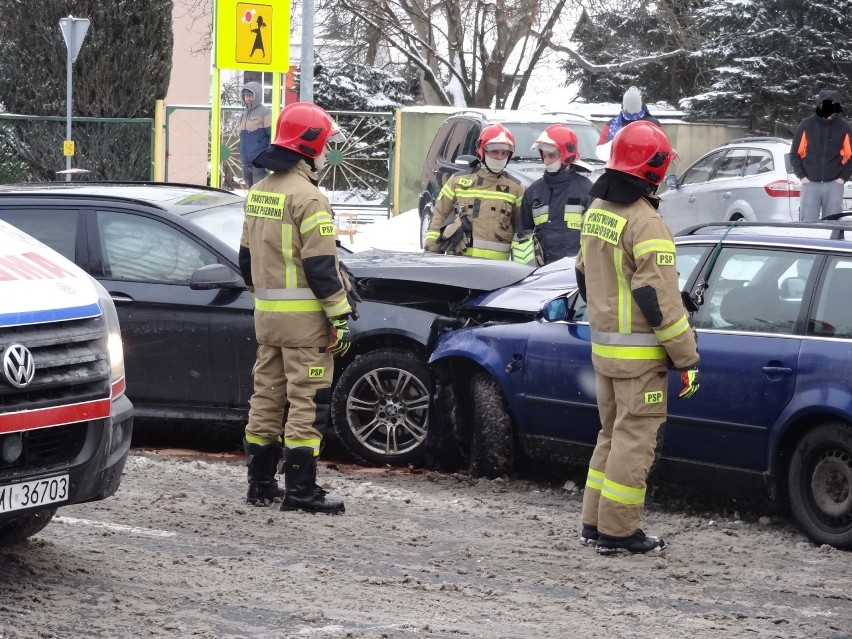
454 148
167 255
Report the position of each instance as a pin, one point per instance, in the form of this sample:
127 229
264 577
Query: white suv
746 179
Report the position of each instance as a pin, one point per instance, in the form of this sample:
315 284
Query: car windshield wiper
593 160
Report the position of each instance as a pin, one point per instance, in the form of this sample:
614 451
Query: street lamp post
74 32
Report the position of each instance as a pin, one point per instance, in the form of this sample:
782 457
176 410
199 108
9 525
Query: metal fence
106 148
357 174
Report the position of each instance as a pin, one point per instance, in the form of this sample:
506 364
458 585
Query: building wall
188 130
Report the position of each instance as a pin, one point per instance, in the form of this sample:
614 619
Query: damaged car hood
445 284
448 270
529 295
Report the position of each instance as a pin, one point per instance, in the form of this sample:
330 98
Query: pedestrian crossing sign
253 36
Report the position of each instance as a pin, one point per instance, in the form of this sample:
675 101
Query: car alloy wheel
380 407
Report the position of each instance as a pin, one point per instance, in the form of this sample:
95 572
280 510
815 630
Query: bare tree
469 52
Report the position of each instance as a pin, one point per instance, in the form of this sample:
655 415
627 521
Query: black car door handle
777 370
119 298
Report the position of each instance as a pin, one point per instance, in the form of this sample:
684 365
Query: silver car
746 179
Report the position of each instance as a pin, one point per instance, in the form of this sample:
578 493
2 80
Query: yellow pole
276 100
397 159
159 141
215 126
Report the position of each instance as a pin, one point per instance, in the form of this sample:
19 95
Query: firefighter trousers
292 396
631 411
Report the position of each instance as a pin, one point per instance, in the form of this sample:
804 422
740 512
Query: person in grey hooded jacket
255 130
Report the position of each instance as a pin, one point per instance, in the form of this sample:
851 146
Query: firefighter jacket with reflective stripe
552 207
289 232
627 251
492 203
822 149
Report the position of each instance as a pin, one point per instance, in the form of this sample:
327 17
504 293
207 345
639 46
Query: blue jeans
824 197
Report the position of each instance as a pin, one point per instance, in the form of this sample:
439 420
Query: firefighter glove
689 379
456 233
341 338
350 285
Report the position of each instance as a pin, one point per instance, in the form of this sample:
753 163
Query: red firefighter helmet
560 138
641 149
495 137
305 128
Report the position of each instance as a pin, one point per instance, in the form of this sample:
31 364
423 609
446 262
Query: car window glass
731 165
758 162
755 290
56 228
455 141
471 141
700 171
578 305
687 259
832 316
224 222
141 249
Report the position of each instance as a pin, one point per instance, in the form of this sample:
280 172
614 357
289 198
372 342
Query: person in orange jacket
820 156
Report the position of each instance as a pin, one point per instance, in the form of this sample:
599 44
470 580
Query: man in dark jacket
820 154
552 206
254 129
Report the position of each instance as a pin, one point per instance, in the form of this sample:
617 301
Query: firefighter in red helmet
288 258
626 272
552 206
477 210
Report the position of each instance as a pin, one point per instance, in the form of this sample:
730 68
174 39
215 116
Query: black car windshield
526 133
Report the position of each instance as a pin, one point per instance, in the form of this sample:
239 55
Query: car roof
834 233
181 199
757 141
505 115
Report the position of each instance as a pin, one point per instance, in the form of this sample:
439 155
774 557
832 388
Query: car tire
820 484
492 448
381 405
425 221
21 528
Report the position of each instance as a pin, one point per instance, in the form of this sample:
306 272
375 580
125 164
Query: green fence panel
112 149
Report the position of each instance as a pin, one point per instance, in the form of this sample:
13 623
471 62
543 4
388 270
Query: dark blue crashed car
775 405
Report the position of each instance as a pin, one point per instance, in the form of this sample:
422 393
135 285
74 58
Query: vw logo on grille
18 365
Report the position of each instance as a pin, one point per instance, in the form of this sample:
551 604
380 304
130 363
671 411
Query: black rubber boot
301 490
637 543
262 462
589 535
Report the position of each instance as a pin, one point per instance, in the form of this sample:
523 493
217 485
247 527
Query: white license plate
29 494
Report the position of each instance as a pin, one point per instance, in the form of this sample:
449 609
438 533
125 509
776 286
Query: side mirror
464 160
212 276
557 310
671 181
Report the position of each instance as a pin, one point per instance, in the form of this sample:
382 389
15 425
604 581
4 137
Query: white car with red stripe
65 422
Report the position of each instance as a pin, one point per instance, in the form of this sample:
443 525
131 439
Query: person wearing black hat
820 156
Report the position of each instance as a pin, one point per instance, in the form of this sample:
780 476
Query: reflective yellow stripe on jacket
484 194
488 250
